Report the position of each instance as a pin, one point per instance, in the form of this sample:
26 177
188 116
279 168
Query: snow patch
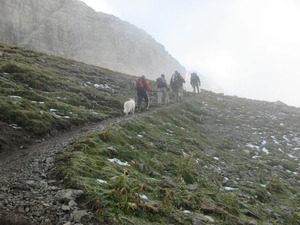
119 162
102 181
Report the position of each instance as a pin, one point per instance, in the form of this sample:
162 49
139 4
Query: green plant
229 202
294 219
276 185
182 139
106 134
167 199
261 194
185 166
11 67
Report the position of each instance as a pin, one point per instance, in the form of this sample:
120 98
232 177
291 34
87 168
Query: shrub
13 68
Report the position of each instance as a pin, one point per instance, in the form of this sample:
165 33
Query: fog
251 48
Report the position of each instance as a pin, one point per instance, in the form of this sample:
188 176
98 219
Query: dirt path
18 165
28 193
57 144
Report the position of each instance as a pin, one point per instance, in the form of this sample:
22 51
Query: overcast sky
250 47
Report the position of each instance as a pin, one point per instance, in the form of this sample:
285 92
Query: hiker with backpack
162 88
142 88
195 82
181 82
176 83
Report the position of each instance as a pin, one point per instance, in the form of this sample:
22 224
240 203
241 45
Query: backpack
174 79
193 76
139 82
160 83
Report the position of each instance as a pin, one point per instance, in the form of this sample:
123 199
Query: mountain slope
71 29
41 94
211 159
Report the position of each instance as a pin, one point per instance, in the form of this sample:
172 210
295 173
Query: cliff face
71 29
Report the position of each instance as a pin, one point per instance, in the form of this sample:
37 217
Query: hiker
195 82
162 88
176 83
181 82
142 88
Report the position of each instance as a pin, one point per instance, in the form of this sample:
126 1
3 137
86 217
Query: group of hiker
176 84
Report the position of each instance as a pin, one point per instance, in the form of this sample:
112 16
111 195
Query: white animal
129 106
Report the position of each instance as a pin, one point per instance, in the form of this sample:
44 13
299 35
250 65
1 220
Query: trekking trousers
162 92
194 88
142 94
180 93
175 89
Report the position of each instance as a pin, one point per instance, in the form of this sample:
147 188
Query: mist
249 48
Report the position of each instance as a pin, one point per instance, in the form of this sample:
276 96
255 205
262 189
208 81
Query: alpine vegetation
68 150
212 159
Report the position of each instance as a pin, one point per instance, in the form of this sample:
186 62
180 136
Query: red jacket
143 84
147 85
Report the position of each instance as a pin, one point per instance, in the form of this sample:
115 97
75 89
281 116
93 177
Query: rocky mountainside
71 29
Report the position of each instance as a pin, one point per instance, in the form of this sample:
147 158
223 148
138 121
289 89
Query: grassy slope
178 156
41 94
178 160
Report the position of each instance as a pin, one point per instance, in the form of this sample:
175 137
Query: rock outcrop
71 29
